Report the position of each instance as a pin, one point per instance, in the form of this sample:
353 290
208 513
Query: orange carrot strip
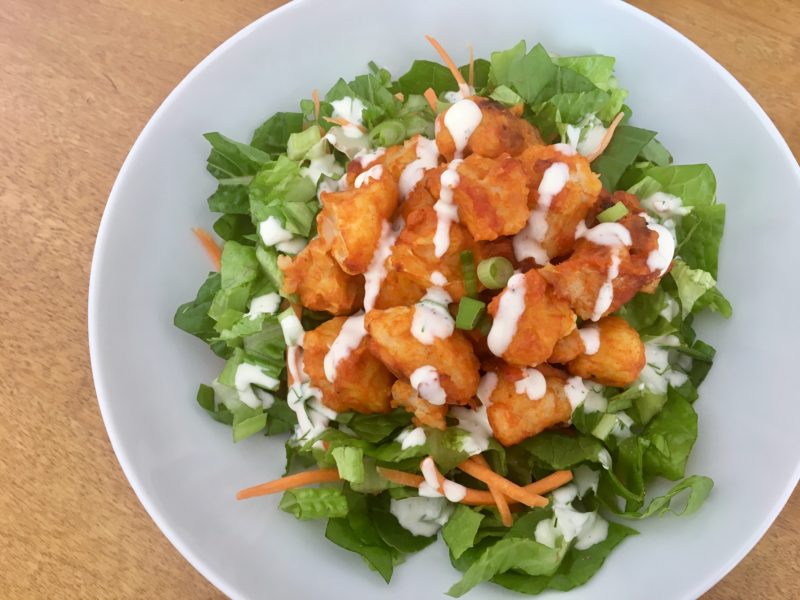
212 249
497 495
315 99
549 483
344 123
399 96
400 477
430 96
471 496
606 138
289 482
517 109
508 488
471 67
447 60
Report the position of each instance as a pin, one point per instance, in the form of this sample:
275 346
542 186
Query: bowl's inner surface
185 467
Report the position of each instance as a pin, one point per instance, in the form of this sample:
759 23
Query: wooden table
79 80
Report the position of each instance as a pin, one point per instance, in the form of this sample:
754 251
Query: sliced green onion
495 272
468 273
615 213
301 142
604 426
388 133
469 313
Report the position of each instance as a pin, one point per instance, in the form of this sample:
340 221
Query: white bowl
184 467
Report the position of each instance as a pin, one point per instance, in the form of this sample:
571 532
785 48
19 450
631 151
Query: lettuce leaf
697 289
620 154
390 530
279 190
350 462
192 317
314 503
273 135
699 488
671 434
459 531
700 235
230 159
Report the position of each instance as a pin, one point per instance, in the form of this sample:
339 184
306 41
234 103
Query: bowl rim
96 360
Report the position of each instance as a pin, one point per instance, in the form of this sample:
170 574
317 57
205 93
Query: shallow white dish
184 467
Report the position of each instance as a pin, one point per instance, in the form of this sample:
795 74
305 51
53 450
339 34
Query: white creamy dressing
421 516
431 318
614 235
411 438
464 91
660 258
349 140
576 391
365 157
349 338
528 242
585 479
533 384
604 458
427 158
430 487
376 272
438 279
476 423
446 210
486 388
266 304
425 380
509 310
272 233
590 338
292 330
671 309
657 374
351 110
267 399
665 205
318 166
461 120
375 172
622 426
587 529
594 400
586 135
248 375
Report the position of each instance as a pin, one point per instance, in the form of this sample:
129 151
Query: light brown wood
78 81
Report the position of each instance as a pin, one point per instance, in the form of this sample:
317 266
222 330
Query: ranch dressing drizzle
431 318
613 235
509 310
533 384
349 338
461 120
528 242
376 272
425 380
590 337
446 210
427 158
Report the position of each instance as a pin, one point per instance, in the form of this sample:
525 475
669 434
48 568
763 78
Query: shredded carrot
212 249
508 488
549 483
471 67
400 477
447 60
497 495
315 99
430 96
399 96
606 138
517 109
289 482
344 123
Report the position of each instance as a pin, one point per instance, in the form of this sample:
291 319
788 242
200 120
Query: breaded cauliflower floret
544 320
425 413
619 358
391 340
319 281
361 383
499 131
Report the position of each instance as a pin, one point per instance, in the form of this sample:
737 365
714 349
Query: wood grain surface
78 81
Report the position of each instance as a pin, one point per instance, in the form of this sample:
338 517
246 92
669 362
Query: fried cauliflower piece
414 253
499 131
319 281
567 208
362 383
619 359
526 402
567 348
544 320
580 279
398 289
351 221
491 196
425 413
391 340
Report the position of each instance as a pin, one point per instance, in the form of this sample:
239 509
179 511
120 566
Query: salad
466 297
